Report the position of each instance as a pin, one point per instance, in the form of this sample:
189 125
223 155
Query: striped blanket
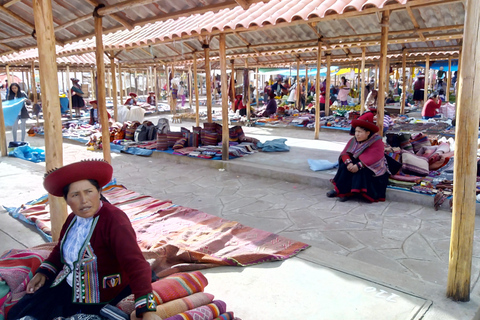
182 239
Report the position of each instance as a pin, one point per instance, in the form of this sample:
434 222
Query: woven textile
418 141
192 139
210 126
193 236
178 286
172 137
209 138
413 164
208 312
180 143
162 141
177 306
225 316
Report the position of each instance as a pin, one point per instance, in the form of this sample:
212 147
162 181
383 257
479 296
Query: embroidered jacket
108 261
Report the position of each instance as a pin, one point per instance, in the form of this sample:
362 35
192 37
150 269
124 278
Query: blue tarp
11 110
28 153
443 63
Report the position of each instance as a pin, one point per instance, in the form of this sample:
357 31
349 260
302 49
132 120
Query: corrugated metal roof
324 16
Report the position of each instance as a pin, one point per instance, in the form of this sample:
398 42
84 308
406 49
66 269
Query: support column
232 81
317 91
156 77
404 82
375 80
327 89
195 85
3 135
7 67
465 167
299 86
114 88
94 82
120 82
382 85
34 84
101 103
42 11
173 102
223 76
109 84
208 86
69 93
306 85
363 82
247 98
256 87
449 79
427 79
190 92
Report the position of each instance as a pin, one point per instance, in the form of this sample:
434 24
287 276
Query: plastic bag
28 153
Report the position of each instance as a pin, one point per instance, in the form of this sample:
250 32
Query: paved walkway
398 247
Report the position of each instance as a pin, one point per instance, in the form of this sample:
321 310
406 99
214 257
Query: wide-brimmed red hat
238 96
99 170
132 94
93 101
151 92
370 126
74 79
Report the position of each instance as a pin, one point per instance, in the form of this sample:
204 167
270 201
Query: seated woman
97 259
132 101
271 106
362 166
431 107
94 114
151 99
238 105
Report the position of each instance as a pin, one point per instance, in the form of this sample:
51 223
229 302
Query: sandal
331 194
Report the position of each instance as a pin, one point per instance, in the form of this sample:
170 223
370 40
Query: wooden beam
317 91
16 17
223 77
3 135
69 93
404 81
208 85
363 82
327 89
120 83
414 21
299 86
247 95
113 93
195 84
101 102
383 71
232 80
11 2
427 79
42 10
256 87
465 167
156 77
243 3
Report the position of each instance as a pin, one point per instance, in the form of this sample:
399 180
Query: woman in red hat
132 101
362 166
97 260
151 99
94 114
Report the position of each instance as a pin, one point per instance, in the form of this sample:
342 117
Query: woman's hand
36 283
352 168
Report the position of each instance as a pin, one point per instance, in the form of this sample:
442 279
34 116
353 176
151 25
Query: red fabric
130 101
419 84
430 108
151 99
372 153
367 116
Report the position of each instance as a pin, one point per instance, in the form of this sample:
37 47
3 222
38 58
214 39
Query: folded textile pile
180 296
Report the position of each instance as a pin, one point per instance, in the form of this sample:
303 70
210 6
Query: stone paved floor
402 237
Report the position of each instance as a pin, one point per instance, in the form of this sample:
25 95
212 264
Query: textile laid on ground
180 238
208 312
178 286
275 145
319 165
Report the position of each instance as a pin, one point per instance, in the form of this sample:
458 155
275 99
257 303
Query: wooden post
232 81
256 87
195 85
135 79
28 83
120 82
42 11
69 93
3 135
7 67
173 102
223 76
363 82
34 84
465 166
190 92
375 80
125 81
156 87
327 89
109 83
247 99
206 50
94 87
306 85
317 91
449 79
404 82
101 103
410 78
114 88
427 79
299 86
382 83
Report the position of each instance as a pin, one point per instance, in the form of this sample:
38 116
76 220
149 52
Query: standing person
15 93
277 87
266 89
97 259
132 101
431 107
77 99
419 89
362 167
181 92
343 91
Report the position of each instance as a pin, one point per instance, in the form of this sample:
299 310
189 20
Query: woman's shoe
331 194
342 199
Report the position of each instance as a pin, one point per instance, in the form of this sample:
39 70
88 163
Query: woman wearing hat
97 260
362 166
419 89
94 114
132 101
77 99
343 91
151 99
16 93
271 108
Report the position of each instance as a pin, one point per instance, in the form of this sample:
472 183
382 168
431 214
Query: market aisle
408 240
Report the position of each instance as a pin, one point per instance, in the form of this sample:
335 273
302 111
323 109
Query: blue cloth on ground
137 151
28 153
275 145
319 165
11 110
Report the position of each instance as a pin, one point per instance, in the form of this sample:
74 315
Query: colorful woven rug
173 235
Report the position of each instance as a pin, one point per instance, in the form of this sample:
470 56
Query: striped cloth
226 316
178 285
176 306
207 312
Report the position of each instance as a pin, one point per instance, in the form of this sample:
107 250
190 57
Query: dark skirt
418 95
77 101
48 303
362 183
